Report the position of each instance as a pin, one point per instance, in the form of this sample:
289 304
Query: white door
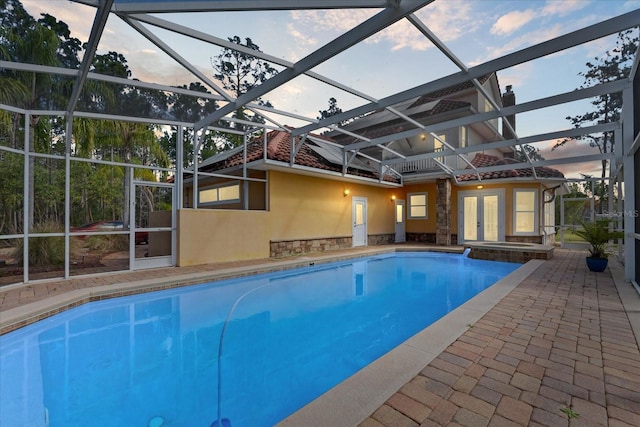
359 217
480 216
400 216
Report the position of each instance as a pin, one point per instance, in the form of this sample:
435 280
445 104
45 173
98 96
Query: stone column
443 212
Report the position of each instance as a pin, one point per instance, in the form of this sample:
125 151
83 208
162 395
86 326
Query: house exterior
449 185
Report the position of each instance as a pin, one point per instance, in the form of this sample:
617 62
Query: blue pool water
152 359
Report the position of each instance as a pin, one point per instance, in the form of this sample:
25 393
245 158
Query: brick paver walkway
558 350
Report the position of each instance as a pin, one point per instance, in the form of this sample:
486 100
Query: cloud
529 39
448 20
299 37
562 8
515 20
572 149
512 21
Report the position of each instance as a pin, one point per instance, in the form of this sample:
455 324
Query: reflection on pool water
152 359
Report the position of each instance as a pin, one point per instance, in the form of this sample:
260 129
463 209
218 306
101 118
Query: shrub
108 242
44 251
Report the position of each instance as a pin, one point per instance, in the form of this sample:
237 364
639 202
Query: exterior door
359 217
480 216
400 216
154 225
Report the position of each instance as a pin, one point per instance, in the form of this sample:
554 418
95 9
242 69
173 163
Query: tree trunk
33 121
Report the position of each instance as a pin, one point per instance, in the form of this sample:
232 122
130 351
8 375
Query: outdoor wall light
346 192
423 136
480 187
393 197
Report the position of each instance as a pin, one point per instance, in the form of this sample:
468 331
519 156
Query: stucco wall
301 208
306 207
427 225
207 236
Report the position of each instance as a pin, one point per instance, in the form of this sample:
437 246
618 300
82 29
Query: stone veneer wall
520 256
429 238
381 239
443 212
283 248
524 239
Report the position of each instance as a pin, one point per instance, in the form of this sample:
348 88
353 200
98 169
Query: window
438 145
220 194
487 106
525 212
418 206
549 218
463 137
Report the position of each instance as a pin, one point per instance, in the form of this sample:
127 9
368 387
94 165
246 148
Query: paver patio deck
560 349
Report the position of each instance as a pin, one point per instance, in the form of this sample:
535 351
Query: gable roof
450 90
423 109
482 160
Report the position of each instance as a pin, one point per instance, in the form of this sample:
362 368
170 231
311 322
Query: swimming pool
152 359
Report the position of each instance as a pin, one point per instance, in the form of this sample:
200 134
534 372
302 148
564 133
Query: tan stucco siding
306 207
207 236
427 225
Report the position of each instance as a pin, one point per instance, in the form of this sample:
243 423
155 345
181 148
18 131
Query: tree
530 150
331 111
33 44
240 72
190 109
614 65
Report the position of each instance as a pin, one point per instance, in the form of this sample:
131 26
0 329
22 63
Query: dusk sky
396 59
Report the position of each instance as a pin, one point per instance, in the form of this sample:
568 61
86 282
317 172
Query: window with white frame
219 194
525 216
418 205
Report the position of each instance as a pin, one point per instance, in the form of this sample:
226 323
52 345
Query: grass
571 237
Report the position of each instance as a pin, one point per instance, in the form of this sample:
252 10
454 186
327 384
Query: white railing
425 165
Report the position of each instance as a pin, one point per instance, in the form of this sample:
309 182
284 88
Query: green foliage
614 65
239 71
331 111
568 410
598 235
108 242
44 251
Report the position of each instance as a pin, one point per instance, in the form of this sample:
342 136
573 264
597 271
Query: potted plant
598 235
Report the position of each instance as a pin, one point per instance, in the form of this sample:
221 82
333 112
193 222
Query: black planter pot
597 264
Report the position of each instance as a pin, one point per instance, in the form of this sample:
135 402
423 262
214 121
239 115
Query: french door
480 216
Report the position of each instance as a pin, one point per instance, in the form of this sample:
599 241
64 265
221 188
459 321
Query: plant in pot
598 235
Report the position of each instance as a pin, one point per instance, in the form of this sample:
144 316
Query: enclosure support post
67 193
630 182
26 214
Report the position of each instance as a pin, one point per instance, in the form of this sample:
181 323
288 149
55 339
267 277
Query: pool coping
357 397
354 399
18 317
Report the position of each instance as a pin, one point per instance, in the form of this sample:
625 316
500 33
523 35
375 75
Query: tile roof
279 149
449 90
482 160
399 125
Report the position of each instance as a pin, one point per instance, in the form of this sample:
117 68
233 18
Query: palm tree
28 90
128 142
